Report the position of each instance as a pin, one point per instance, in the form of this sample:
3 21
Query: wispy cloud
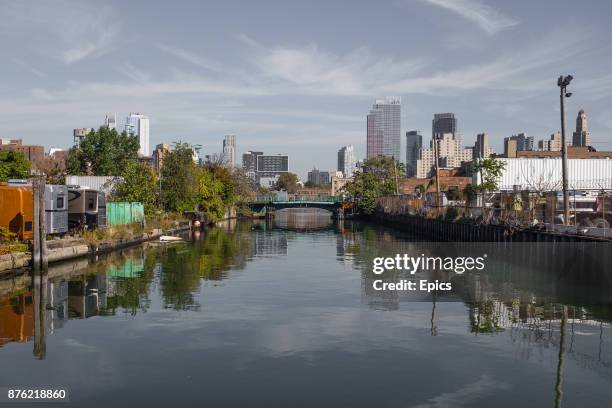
192 58
134 73
485 16
69 30
313 71
29 67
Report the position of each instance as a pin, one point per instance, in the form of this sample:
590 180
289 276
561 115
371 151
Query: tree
210 195
138 182
386 170
490 170
376 177
288 182
53 168
13 165
104 152
221 188
180 179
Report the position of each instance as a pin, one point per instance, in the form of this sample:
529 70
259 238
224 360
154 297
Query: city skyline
296 90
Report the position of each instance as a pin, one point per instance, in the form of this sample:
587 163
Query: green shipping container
124 213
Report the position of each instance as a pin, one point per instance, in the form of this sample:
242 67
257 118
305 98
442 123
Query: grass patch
12 247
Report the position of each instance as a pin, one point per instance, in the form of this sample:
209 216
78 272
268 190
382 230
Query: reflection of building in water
57 311
132 268
267 244
17 319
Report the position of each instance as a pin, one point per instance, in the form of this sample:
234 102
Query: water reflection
264 291
303 219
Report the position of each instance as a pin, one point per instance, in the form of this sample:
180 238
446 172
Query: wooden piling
39 235
35 226
44 263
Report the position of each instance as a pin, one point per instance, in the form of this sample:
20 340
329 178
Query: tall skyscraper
443 123
482 149
346 161
414 143
229 150
582 136
138 125
384 128
110 121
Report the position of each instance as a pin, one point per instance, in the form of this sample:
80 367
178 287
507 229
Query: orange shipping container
16 213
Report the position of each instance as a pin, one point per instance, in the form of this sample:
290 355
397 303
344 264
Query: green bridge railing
295 198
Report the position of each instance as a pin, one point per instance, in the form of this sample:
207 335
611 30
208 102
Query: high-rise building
249 162
79 134
318 177
482 148
510 147
443 123
414 143
384 128
517 143
451 154
346 161
551 145
110 121
524 142
138 125
582 136
229 150
272 165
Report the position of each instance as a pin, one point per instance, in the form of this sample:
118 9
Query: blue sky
298 77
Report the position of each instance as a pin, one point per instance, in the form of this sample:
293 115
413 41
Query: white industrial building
537 174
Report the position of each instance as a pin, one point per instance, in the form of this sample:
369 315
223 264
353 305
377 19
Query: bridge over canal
269 204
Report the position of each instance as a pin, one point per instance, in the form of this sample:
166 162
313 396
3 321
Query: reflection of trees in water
210 257
130 283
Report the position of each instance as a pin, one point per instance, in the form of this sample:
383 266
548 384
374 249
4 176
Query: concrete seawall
10 262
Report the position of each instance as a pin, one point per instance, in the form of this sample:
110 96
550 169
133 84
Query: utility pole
437 159
562 83
395 171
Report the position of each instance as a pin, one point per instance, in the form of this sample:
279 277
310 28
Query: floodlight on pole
563 83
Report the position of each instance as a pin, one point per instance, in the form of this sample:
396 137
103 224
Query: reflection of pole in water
434 327
600 338
559 384
40 283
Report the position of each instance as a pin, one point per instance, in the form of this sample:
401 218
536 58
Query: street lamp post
562 83
437 169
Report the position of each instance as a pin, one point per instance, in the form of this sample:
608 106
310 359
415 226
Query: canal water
251 314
